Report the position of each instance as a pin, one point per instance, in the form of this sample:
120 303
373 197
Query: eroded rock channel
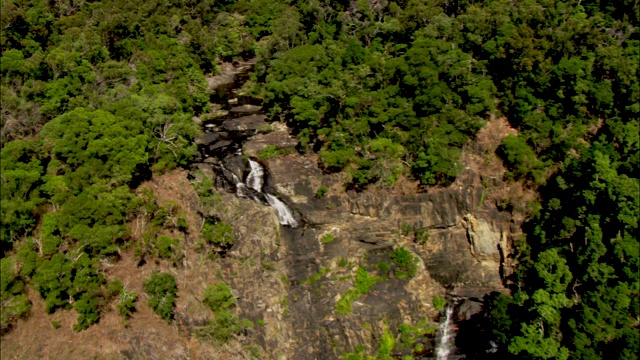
314 246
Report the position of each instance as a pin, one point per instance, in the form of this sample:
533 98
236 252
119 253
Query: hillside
319 179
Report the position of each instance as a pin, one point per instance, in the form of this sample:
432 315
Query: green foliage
13 301
421 236
406 229
384 267
577 266
439 302
317 276
322 190
343 306
127 303
22 170
521 159
363 284
218 233
407 336
378 90
88 146
406 263
167 248
327 238
218 297
71 277
387 343
364 281
271 151
226 324
161 289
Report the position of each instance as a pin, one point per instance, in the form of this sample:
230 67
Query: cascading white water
445 334
282 210
255 181
255 177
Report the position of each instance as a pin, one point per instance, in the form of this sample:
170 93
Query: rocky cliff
460 236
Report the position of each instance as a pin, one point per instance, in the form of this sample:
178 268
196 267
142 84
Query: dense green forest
99 95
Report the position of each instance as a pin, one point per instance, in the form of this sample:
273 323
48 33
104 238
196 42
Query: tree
161 289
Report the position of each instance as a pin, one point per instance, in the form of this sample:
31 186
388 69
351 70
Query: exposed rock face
293 280
485 239
280 138
462 247
466 238
249 122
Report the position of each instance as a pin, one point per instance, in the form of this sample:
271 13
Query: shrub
127 303
322 190
13 306
167 247
327 238
225 325
343 307
218 233
268 152
162 289
422 236
317 276
383 267
439 302
364 281
218 297
87 307
363 284
406 263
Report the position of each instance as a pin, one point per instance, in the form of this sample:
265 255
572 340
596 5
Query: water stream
255 179
446 333
221 149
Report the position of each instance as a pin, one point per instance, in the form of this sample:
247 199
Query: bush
13 306
87 307
406 263
162 289
363 284
439 302
322 190
225 326
268 152
364 281
218 297
127 303
422 236
271 151
218 233
167 247
327 238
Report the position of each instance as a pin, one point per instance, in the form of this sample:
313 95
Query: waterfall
253 190
282 210
255 177
445 334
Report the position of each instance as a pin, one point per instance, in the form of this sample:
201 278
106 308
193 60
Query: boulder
244 123
280 139
484 238
246 109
